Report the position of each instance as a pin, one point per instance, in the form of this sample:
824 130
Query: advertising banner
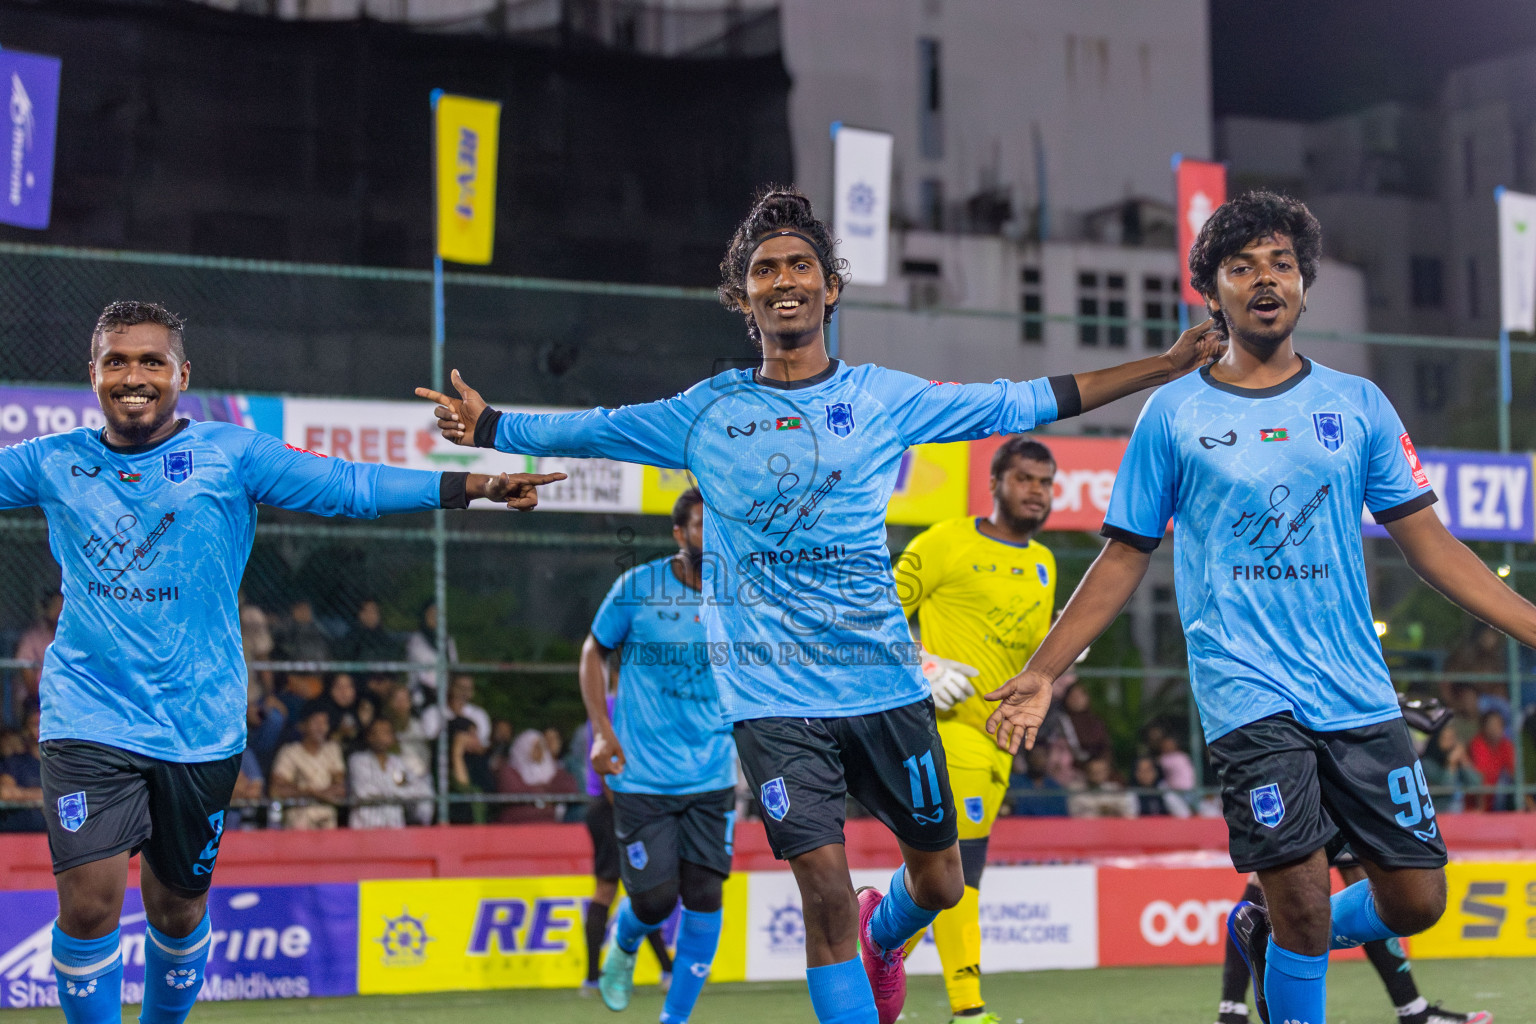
270 942
448 934
405 434
465 133
1490 911
32 81
35 411
930 485
1483 495
1085 476
1202 186
1517 260
861 215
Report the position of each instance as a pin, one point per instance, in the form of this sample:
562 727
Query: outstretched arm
1449 566
606 754
1109 584
1195 348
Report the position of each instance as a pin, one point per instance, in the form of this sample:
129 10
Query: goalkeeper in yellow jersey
983 591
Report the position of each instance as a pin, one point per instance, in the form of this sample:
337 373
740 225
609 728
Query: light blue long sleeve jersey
153 543
799 606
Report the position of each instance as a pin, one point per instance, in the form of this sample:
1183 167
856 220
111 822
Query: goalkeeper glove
949 680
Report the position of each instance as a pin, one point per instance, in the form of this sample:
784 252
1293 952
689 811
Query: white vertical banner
861 219
1517 261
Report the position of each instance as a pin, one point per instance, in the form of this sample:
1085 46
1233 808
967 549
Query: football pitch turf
1127 995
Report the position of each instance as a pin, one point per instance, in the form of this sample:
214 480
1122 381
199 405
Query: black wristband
453 490
485 428
1069 400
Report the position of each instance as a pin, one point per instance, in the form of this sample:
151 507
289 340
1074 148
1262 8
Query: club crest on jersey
1268 807
840 418
72 811
974 810
178 466
638 858
774 798
1044 574
1330 429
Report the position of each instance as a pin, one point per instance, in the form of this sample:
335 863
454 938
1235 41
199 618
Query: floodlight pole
1511 646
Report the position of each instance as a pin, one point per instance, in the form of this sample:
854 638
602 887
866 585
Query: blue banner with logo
269 942
1483 495
32 82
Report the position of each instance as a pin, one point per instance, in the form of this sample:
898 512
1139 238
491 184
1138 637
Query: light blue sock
1355 920
628 930
898 918
173 972
840 993
1295 986
697 939
90 974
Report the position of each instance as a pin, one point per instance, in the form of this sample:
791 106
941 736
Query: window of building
1115 308
930 100
925 283
1160 311
1474 310
1427 287
1032 305
1101 299
1432 388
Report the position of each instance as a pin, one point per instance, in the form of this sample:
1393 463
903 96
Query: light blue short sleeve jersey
667 714
800 609
1265 488
153 543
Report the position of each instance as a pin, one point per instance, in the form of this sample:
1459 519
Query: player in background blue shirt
143 689
796 460
1264 461
668 760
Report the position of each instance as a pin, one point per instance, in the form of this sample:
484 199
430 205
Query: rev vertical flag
1202 186
32 81
861 180
1517 261
466 176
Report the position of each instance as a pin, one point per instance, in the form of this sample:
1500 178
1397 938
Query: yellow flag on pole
466 177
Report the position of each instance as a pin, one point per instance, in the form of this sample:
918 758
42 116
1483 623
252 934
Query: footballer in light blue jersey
1264 462
796 461
151 519
1265 487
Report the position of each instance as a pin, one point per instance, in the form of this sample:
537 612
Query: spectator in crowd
421 648
31 647
310 768
21 779
502 735
1153 796
266 719
256 641
1102 796
12 742
1031 790
461 696
1174 765
1465 713
468 772
531 770
341 705
381 773
555 744
1447 766
250 785
1085 732
413 743
368 640
300 638
1493 755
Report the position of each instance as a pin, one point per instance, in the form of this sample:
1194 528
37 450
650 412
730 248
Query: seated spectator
310 768
531 770
413 743
300 638
250 785
1447 766
1153 796
256 641
21 779
1102 796
1085 732
1031 790
501 745
12 742
461 695
1493 755
341 704
266 719
1463 703
368 640
1175 766
31 647
421 647
468 772
381 773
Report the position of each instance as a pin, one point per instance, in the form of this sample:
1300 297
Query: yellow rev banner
466 176
1491 911
450 934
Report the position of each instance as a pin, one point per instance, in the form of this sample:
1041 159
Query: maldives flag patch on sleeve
1420 479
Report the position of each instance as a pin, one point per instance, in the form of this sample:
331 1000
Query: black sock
596 927
659 947
1388 959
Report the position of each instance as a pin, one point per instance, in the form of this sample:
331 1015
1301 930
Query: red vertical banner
1202 186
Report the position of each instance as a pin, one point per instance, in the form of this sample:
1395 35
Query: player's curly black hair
1249 217
777 207
128 312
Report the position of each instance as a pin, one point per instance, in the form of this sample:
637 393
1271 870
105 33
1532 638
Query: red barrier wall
291 858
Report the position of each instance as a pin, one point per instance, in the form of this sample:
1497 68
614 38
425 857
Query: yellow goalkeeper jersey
978 600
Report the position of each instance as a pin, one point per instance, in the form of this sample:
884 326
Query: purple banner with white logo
1483 495
32 82
26 413
269 942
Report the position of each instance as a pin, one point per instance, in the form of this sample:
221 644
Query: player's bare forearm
1449 566
592 674
1195 348
1098 600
